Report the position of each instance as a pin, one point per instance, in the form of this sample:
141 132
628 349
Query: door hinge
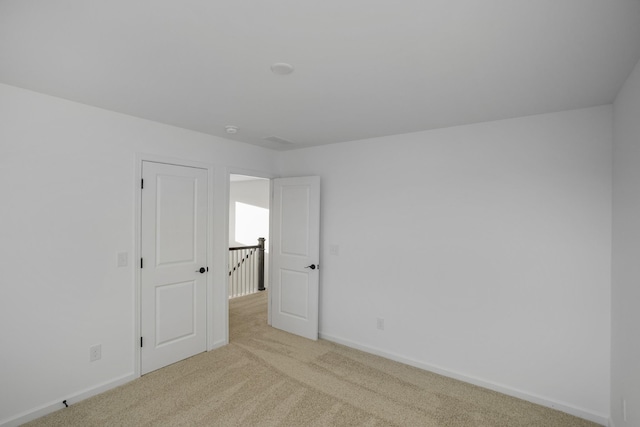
141 263
140 342
142 183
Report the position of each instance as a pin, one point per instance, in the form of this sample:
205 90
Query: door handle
202 270
312 266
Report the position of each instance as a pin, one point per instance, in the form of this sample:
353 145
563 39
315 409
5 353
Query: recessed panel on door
175 312
294 237
175 228
294 293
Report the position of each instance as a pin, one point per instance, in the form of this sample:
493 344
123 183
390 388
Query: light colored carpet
266 377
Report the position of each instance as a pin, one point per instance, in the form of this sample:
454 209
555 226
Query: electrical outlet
380 323
123 259
95 352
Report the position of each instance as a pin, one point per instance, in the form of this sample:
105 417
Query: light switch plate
123 259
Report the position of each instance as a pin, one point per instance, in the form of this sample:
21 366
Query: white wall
485 249
254 193
625 339
67 207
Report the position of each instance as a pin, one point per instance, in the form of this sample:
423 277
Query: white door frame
139 159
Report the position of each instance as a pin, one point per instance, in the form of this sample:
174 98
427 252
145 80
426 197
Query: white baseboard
48 408
71 399
550 403
218 344
540 400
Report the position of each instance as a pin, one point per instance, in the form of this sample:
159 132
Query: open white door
174 253
295 255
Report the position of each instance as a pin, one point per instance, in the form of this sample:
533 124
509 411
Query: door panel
294 289
173 247
175 312
295 247
294 238
175 228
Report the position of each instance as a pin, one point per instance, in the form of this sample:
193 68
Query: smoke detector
231 129
281 68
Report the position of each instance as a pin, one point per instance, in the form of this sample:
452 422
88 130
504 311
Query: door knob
202 270
312 266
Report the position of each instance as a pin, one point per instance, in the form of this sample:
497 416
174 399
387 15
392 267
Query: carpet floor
266 377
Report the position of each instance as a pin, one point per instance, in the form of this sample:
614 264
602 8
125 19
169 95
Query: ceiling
363 68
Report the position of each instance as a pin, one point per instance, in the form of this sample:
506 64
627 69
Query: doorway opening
293 296
249 199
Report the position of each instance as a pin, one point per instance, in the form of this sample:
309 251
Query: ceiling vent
278 140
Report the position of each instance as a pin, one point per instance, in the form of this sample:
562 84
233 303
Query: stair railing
246 269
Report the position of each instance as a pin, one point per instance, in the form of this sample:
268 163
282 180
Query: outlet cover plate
95 352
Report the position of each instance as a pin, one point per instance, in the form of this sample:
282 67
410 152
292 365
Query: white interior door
174 269
295 255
